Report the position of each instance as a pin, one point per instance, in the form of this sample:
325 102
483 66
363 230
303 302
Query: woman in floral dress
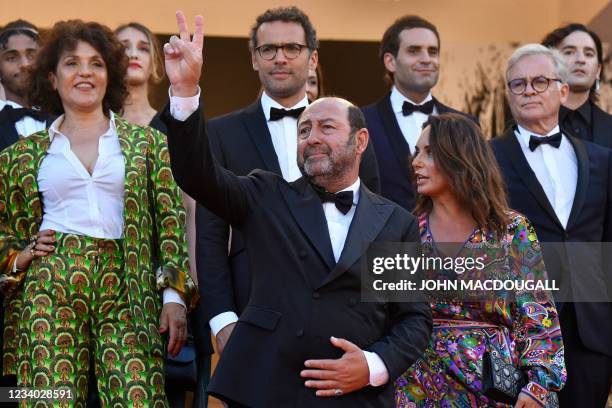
463 213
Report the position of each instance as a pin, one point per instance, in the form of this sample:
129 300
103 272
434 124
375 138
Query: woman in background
463 212
145 68
314 85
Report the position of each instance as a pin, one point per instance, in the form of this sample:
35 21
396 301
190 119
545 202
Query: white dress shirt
411 125
338 226
77 202
27 125
284 136
556 170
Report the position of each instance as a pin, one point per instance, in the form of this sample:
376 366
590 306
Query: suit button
299 333
352 302
316 295
302 253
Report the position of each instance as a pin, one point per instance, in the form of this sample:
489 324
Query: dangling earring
597 86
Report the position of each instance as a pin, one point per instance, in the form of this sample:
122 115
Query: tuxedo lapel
602 126
257 128
369 219
394 133
306 208
8 134
514 152
583 179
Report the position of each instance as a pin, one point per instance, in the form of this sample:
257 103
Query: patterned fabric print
76 302
524 325
153 221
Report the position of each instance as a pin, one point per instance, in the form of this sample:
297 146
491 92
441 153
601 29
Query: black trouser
588 372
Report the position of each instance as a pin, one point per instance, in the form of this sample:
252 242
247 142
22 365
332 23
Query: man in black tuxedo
582 51
261 136
410 51
564 186
305 338
18 46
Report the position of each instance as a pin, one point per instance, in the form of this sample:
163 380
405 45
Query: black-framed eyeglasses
539 84
290 50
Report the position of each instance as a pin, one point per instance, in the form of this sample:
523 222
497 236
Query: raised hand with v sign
183 57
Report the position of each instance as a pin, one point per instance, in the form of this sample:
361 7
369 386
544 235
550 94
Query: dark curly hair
288 15
64 36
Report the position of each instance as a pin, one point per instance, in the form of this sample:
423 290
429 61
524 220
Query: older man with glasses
564 187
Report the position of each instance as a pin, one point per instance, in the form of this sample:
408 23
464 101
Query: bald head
355 118
331 139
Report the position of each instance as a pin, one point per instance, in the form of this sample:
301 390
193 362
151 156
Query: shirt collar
14 105
524 134
397 100
267 103
583 110
54 132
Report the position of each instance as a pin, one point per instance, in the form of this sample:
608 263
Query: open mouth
84 86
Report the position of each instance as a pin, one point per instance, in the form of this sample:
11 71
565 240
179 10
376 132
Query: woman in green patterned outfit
83 206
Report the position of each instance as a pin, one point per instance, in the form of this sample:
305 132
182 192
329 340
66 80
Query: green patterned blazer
153 216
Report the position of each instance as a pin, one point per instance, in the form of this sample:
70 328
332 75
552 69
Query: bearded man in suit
304 338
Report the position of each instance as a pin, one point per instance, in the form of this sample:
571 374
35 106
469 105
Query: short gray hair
538 49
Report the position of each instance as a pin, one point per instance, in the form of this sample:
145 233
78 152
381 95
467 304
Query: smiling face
580 55
416 67
536 111
282 77
431 182
15 58
80 78
138 50
328 150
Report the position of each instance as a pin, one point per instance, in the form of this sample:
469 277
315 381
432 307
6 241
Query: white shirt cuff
182 108
221 320
172 296
378 370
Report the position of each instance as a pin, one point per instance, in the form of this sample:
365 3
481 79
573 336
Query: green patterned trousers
76 303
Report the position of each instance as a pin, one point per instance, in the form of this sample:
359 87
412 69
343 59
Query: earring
597 84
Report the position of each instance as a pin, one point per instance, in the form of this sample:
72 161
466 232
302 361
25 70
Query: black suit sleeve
197 172
212 236
368 169
411 326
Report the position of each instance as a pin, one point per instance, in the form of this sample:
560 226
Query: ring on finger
337 392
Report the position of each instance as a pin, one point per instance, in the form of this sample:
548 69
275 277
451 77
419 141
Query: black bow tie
409 108
553 140
10 114
276 114
342 200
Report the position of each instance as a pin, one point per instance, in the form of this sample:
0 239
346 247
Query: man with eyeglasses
283 45
564 186
582 51
410 52
18 46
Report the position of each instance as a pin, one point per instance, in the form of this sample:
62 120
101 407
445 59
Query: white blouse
75 201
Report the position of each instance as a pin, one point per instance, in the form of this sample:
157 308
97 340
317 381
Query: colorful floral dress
523 324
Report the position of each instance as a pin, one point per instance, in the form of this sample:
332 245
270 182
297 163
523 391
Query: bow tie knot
342 200
276 114
11 114
409 108
553 140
